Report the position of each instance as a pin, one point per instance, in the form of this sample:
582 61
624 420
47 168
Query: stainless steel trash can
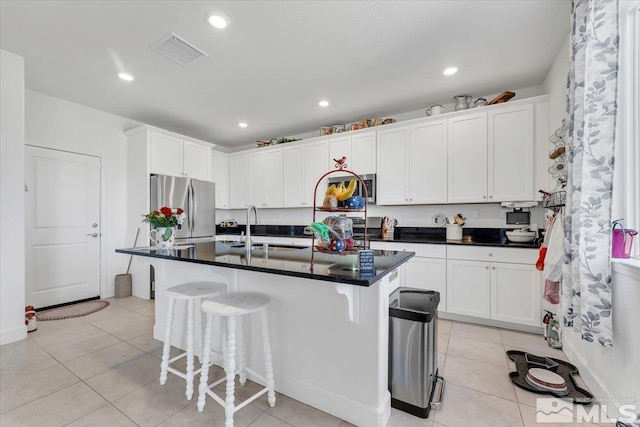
413 350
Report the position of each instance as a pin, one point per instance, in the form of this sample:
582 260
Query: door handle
93 234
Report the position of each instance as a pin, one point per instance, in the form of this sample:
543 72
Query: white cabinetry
358 148
172 154
220 175
468 288
515 293
467 158
412 166
426 270
304 164
494 283
266 171
510 153
239 181
491 155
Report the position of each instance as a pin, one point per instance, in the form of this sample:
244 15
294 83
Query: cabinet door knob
493 268
486 268
484 197
490 254
491 197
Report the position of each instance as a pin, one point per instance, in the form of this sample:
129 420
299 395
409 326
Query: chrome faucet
247 242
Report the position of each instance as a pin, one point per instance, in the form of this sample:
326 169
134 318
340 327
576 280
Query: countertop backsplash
486 215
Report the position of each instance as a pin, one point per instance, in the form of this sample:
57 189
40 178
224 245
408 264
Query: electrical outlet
475 214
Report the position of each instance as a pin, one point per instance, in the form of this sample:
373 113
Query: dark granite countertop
288 261
470 237
428 235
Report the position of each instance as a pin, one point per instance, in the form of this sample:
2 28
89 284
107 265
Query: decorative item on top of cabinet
462 102
503 97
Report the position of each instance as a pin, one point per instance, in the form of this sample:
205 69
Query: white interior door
63 226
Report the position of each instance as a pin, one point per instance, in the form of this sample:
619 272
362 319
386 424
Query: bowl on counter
518 236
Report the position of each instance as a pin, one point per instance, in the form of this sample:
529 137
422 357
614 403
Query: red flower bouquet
165 217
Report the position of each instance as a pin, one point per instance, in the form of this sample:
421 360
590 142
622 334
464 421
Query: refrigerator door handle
192 208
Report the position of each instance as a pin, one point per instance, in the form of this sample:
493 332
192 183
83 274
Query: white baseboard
12 335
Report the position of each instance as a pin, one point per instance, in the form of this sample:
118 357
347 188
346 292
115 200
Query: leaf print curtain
591 105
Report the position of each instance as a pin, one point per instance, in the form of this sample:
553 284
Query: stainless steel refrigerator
197 198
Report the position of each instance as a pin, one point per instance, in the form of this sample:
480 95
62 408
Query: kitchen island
328 322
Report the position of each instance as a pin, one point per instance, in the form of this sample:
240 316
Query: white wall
555 84
55 123
12 263
613 373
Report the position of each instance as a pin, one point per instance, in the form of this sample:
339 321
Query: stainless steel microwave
369 181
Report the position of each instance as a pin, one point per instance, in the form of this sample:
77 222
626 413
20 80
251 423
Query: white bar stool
233 306
192 293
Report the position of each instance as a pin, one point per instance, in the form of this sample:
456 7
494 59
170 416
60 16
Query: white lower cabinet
426 270
429 274
494 283
515 293
468 288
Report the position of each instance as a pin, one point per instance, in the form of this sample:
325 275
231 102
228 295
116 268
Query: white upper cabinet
303 165
467 159
220 175
239 181
196 161
171 154
511 153
393 175
412 167
266 172
491 155
359 149
293 158
165 154
427 162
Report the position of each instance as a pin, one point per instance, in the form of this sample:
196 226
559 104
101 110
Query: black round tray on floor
565 369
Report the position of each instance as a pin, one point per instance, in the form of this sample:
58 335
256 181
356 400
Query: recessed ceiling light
242 124
450 71
323 103
217 20
126 76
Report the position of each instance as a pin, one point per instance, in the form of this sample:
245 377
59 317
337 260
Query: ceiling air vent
177 49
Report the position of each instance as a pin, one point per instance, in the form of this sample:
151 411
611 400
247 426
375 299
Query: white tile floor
103 370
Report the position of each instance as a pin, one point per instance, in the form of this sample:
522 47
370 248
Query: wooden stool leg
189 391
242 363
198 322
230 368
167 342
268 363
204 374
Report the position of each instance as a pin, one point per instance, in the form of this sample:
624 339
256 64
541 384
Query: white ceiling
277 59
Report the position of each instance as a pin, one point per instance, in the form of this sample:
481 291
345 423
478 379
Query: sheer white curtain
592 106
